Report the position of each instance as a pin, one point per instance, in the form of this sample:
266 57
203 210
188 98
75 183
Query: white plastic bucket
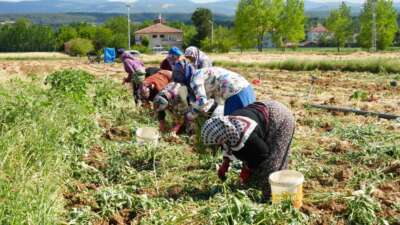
147 135
287 184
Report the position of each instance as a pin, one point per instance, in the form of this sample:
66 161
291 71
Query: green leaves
339 23
73 82
386 24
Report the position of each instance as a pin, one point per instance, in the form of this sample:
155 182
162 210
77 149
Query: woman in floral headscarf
214 85
259 135
198 58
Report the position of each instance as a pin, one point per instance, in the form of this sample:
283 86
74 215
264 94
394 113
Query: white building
160 36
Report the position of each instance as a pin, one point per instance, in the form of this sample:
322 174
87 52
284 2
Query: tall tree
386 24
202 19
103 38
340 24
65 34
257 17
290 25
243 35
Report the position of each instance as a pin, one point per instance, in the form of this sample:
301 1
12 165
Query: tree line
281 22
77 38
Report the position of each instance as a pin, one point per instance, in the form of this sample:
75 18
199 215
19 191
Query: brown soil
96 157
118 134
344 175
393 169
174 191
340 146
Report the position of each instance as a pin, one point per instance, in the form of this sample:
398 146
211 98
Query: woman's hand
125 80
223 169
245 174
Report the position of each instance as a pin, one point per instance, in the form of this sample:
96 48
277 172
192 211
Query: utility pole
128 5
374 34
212 31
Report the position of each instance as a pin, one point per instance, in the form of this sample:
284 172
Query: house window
154 35
162 35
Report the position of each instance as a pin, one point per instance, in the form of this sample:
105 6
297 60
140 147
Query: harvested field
351 163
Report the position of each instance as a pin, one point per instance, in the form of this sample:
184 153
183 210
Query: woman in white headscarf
198 58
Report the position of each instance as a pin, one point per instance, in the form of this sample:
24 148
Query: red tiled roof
158 28
319 29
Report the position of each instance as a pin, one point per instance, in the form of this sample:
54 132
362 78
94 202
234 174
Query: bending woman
172 98
153 84
135 69
259 135
214 85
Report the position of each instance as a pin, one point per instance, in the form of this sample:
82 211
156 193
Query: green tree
87 31
117 24
103 38
79 47
257 17
340 23
202 19
42 39
244 37
65 34
223 41
290 25
119 41
19 35
386 24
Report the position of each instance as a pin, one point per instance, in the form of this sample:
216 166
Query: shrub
79 47
70 81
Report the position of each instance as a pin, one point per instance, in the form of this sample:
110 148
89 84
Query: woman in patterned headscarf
198 58
172 98
259 135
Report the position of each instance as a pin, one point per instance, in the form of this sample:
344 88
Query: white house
160 35
316 33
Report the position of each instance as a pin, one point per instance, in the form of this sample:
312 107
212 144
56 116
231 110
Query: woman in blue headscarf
174 55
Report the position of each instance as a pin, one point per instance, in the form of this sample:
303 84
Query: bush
79 47
145 42
73 82
141 48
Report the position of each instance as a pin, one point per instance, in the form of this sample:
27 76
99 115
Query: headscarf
172 95
201 60
230 131
175 51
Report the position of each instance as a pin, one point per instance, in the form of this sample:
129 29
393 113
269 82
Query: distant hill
223 7
57 19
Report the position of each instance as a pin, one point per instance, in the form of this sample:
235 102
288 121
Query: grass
374 65
68 157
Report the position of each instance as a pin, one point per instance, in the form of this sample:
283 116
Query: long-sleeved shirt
133 66
216 83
